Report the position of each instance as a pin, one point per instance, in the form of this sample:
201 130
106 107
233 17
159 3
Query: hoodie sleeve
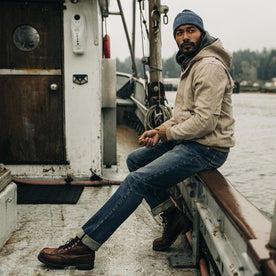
209 82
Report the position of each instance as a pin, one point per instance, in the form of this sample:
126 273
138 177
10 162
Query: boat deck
127 252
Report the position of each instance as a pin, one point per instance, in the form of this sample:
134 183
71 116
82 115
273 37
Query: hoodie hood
209 47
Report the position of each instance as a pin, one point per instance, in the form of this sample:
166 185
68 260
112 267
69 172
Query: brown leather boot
174 223
73 253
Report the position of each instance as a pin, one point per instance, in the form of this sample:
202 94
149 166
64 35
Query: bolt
241 268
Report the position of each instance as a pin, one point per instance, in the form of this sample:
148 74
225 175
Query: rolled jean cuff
162 207
86 240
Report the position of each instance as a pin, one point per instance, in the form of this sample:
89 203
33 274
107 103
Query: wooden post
272 241
155 61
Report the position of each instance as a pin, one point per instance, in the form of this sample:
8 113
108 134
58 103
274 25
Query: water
251 165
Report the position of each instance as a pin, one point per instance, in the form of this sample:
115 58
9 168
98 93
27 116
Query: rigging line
144 20
142 39
142 34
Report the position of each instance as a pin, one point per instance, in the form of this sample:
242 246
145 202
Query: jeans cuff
162 207
86 240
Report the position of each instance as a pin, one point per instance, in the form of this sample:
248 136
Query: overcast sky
240 24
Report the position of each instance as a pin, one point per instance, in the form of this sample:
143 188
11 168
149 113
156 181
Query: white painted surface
82 102
109 83
8 212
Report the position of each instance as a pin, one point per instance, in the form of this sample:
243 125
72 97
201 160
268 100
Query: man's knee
130 161
135 182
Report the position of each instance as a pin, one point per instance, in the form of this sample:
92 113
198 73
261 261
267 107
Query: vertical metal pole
128 40
155 41
272 241
133 26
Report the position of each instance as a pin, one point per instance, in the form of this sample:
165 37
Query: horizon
243 25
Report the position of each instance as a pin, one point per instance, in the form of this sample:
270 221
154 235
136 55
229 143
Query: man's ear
202 35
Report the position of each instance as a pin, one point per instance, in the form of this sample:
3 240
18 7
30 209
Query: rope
142 19
156 115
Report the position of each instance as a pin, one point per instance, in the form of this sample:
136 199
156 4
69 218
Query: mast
157 112
156 93
155 61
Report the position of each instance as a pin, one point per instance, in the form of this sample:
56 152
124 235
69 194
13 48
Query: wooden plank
32 72
5 177
31 120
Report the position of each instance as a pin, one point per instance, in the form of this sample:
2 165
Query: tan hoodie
203 106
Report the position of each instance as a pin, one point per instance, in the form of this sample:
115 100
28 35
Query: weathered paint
82 103
8 212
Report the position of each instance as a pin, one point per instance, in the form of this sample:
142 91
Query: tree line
247 65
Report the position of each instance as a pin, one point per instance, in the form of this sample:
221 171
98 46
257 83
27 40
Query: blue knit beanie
187 17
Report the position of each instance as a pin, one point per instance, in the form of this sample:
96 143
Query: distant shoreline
256 92
244 92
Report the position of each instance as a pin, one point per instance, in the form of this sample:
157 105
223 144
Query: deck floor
128 252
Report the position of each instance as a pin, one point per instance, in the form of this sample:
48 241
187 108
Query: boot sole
168 245
164 248
78 266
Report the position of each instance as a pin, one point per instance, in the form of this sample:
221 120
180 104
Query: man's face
188 38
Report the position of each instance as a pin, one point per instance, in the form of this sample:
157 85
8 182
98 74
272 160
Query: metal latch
80 79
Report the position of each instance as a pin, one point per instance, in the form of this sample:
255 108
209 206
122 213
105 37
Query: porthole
26 38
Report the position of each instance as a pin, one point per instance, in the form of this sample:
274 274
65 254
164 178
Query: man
196 138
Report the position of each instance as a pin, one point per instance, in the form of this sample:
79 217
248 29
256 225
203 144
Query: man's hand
149 138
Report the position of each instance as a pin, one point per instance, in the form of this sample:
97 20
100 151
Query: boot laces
165 224
69 244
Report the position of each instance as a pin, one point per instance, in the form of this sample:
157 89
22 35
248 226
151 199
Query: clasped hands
149 138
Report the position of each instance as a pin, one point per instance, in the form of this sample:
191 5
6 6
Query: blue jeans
152 171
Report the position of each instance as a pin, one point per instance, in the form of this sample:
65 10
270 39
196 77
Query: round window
26 38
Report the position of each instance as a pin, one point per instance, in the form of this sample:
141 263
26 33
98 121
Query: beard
189 48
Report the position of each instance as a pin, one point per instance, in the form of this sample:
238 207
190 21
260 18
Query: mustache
187 43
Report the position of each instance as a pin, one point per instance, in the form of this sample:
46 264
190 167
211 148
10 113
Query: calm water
251 165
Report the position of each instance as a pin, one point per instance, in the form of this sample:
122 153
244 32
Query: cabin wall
82 103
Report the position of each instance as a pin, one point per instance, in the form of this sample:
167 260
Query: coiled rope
156 115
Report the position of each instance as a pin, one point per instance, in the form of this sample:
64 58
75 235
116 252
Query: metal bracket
80 79
178 261
191 260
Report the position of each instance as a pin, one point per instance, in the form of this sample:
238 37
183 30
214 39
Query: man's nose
185 36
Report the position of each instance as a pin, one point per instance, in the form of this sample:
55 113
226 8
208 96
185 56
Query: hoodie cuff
169 134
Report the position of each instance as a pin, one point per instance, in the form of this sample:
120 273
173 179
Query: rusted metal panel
247 218
45 18
31 120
